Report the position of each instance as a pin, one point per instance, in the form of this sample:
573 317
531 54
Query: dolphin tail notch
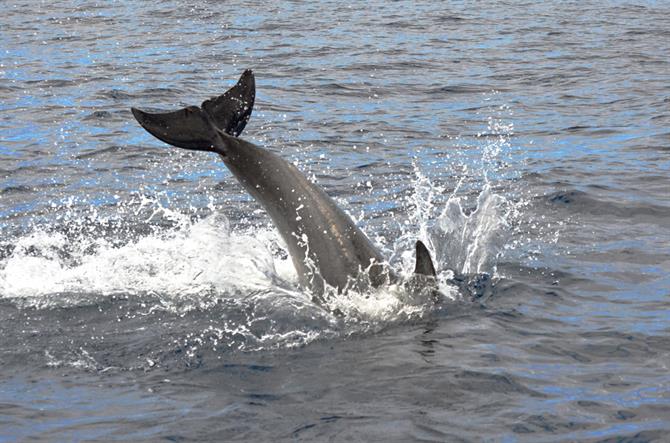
424 264
197 128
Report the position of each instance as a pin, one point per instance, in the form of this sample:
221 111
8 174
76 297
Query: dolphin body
325 245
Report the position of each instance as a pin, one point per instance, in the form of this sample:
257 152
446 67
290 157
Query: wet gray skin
325 245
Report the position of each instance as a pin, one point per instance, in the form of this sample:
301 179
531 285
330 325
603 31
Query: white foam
186 262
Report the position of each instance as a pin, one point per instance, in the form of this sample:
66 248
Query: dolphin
325 245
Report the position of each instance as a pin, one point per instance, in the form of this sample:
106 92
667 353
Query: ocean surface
144 296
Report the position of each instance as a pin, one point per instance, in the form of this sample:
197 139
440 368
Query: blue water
145 296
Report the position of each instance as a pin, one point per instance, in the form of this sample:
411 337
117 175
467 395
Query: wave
584 202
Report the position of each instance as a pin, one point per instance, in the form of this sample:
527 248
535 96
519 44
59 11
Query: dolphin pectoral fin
188 128
231 111
424 264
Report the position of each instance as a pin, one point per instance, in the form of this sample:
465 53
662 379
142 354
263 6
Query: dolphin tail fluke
198 128
424 264
188 128
231 111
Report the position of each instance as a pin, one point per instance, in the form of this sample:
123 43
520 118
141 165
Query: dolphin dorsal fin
424 265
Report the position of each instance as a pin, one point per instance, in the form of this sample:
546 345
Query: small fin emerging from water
424 264
422 287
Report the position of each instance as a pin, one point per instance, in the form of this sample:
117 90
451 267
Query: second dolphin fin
424 264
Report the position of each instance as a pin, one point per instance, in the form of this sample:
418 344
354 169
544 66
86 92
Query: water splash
469 225
241 279
181 262
471 242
